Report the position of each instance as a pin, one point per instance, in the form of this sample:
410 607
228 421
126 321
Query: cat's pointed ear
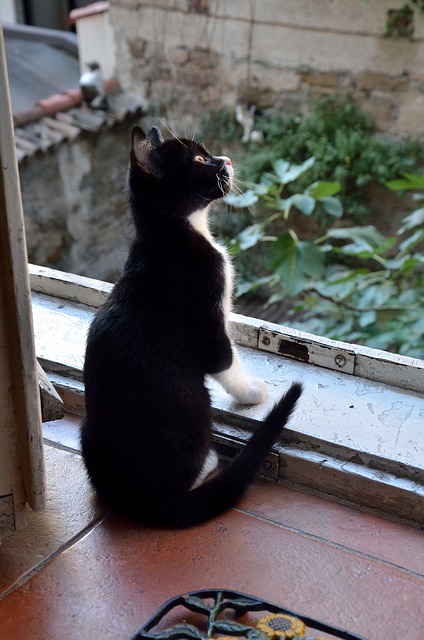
155 137
143 154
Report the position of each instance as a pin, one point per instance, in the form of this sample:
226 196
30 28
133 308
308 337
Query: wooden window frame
22 478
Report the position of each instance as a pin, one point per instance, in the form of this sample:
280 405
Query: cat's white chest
199 221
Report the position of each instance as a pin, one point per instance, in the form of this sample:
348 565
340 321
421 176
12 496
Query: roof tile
61 118
56 102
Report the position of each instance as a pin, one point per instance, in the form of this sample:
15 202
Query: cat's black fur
147 429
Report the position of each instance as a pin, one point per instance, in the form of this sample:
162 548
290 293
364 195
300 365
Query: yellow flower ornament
279 625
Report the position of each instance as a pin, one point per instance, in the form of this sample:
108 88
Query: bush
308 248
348 283
343 142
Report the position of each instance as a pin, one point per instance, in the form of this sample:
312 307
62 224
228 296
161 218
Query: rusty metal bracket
307 350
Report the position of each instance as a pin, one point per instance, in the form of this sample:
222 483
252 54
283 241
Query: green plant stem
268 221
294 235
351 307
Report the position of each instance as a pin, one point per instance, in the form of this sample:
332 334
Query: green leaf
398 185
230 626
262 188
312 259
332 206
410 263
250 236
414 219
293 262
198 604
415 179
320 190
376 295
409 181
281 204
394 264
286 172
366 318
247 286
243 603
291 275
280 249
412 240
242 200
360 249
368 233
280 169
303 202
276 297
180 631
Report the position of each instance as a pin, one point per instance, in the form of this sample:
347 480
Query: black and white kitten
146 436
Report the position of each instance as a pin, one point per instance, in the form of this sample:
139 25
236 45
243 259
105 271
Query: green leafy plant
346 149
292 260
400 22
348 283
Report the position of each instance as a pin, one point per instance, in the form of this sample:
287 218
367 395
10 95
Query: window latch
305 349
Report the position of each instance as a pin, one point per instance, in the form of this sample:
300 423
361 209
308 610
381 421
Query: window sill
357 434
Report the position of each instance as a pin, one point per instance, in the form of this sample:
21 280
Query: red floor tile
376 536
112 580
70 508
319 558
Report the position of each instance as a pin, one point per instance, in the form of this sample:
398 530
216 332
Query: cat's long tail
224 490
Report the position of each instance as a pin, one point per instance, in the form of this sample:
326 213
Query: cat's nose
225 160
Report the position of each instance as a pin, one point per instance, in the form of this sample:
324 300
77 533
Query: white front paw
254 393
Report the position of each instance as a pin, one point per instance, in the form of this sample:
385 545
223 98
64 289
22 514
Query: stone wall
195 54
75 208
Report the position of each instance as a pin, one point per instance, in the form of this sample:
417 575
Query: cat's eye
199 158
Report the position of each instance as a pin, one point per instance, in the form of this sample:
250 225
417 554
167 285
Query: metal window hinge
307 350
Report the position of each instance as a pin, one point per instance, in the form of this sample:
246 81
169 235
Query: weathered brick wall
207 53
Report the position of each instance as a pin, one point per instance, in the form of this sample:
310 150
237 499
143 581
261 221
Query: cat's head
176 175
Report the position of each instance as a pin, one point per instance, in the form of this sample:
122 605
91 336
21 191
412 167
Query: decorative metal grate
226 615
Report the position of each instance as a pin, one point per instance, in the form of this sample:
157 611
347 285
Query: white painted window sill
358 433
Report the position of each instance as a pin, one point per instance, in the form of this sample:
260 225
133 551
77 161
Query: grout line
55 554
62 447
341 547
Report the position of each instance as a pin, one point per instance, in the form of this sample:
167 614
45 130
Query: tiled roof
46 99
62 117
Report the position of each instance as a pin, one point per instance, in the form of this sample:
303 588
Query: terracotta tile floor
80 572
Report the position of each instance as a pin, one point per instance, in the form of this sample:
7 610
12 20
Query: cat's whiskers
184 117
220 184
240 187
238 181
236 188
193 131
173 134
